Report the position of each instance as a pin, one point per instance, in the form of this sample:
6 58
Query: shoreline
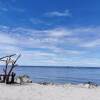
34 91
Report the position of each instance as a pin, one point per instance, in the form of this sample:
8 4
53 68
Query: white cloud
91 44
36 21
65 13
46 46
59 32
6 39
3 9
7 6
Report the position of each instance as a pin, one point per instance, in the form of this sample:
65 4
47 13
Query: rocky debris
23 79
45 83
90 85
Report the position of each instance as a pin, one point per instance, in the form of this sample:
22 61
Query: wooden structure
9 75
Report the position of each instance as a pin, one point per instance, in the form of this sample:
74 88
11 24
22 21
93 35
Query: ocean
59 75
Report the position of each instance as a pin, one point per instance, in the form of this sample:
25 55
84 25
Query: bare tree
9 62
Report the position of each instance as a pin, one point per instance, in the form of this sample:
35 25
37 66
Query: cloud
65 13
6 39
9 7
92 44
59 32
3 9
46 46
36 21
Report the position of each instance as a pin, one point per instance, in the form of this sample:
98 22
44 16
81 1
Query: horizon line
58 66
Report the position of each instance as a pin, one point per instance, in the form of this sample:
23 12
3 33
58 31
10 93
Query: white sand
49 92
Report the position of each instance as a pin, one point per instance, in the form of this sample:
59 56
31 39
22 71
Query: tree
12 64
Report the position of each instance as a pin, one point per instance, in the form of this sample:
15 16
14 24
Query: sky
51 32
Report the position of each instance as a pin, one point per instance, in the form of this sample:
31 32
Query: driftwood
9 73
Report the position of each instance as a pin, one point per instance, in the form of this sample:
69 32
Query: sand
48 92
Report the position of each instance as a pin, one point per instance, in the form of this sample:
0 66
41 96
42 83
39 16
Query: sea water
59 75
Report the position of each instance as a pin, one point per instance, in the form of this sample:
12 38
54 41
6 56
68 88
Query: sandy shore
48 92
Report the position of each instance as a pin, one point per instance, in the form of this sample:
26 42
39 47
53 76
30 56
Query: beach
35 91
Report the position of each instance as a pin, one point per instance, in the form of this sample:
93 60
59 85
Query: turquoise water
60 75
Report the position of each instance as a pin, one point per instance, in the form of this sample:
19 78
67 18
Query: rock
18 80
23 79
90 85
44 83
